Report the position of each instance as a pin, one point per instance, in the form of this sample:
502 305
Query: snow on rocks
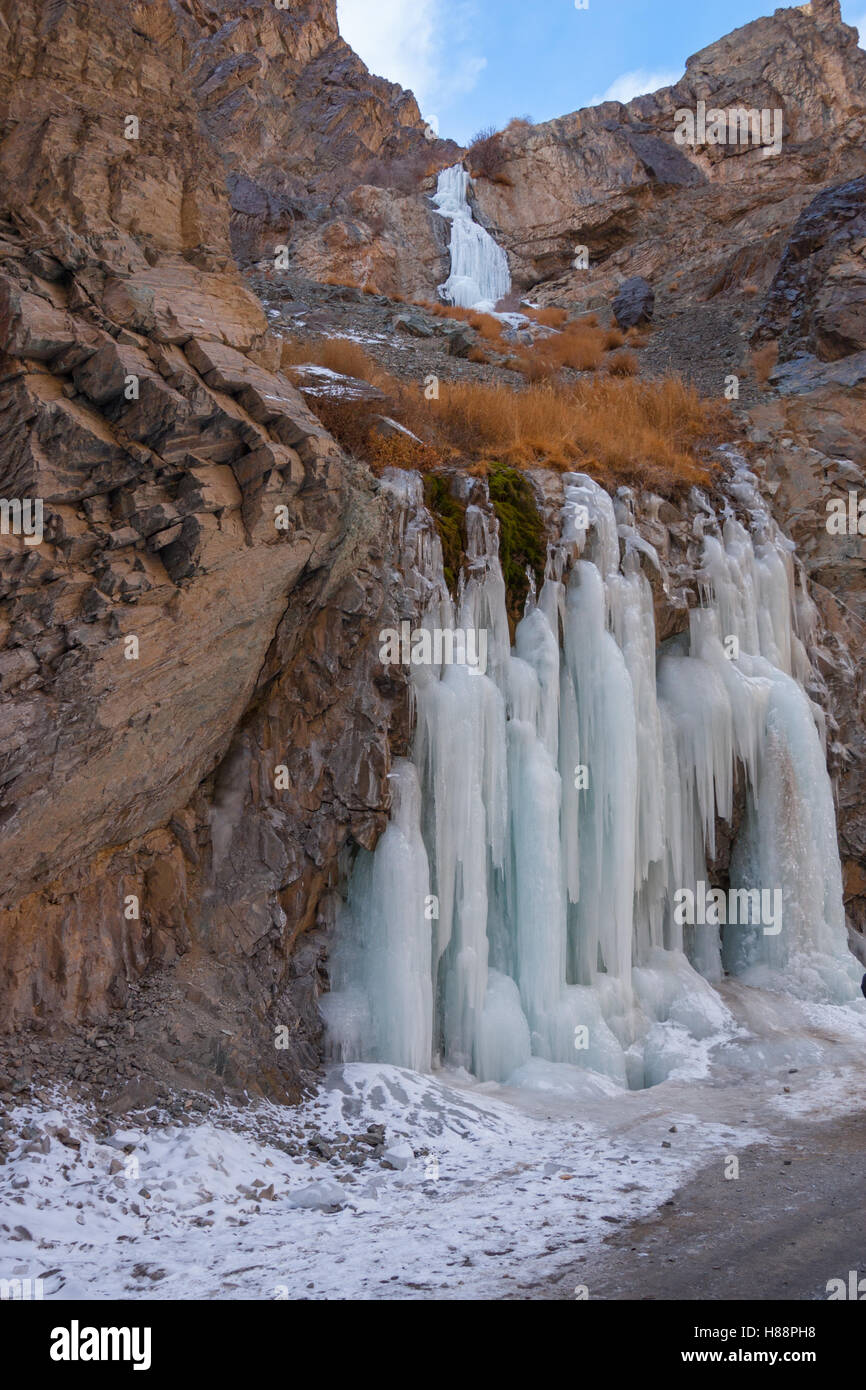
463 1194
322 381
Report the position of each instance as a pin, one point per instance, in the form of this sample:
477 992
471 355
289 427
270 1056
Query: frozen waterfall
479 268
541 896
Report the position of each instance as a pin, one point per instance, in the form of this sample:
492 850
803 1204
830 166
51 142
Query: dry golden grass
486 325
551 317
636 337
614 338
440 310
657 434
763 360
623 363
338 354
579 346
531 366
645 432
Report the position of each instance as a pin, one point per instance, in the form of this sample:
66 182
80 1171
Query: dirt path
793 1219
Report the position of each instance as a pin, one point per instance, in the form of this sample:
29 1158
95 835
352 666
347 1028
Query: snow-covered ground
481 1192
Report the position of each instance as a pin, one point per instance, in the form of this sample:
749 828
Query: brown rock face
817 300
182 646
305 132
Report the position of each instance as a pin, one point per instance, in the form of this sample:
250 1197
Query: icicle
788 848
633 625
537 644
607 738
380 1006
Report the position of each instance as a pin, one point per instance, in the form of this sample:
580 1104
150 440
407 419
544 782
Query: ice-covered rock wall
542 891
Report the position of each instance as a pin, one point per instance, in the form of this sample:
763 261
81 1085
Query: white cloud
636 84
423 46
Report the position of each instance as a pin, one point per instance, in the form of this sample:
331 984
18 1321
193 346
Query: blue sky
475 63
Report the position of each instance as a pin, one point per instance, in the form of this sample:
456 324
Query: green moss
522 540
449 517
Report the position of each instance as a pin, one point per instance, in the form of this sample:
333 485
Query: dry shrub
478 355
635 337
347 281
487 156
399 451
623 363
548 318
644 432
579 346
620 429
763 361
338 354
613 338
356 425
484 324
749 289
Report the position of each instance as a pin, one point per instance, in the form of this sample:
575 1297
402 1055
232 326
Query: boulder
461 341
634 302
414 325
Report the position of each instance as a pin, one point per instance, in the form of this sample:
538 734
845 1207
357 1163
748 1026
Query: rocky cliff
193 616
319 154
698 219
195 727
